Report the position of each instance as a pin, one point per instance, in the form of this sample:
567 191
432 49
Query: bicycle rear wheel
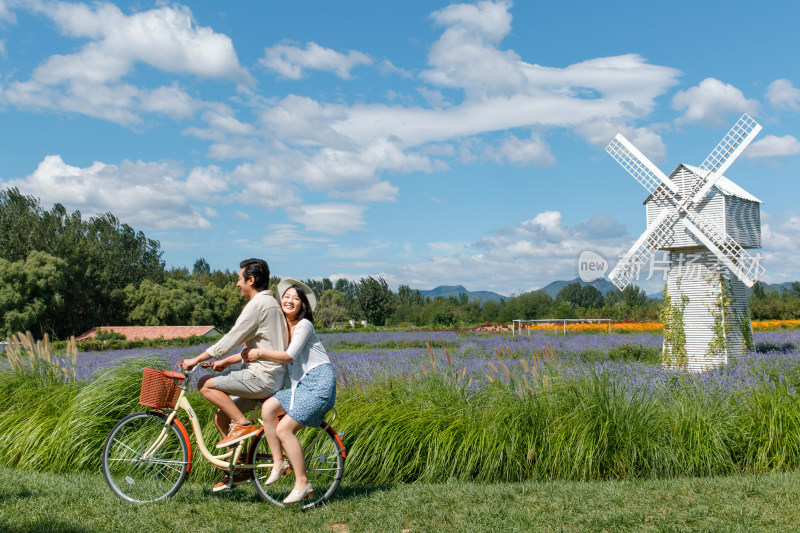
137 478
324 467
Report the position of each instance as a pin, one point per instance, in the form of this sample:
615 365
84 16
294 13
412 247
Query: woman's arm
253 354
299 339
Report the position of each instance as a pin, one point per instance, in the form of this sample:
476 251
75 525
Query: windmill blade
638 165
729 148
746 267
654 237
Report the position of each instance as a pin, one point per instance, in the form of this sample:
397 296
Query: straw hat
289 282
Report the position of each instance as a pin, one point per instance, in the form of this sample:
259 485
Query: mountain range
552 289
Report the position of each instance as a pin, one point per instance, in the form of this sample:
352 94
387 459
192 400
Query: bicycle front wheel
141 478
324 457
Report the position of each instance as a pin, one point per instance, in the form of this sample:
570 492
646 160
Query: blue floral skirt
313 397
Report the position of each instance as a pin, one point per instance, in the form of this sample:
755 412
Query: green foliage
101 256
674 333
182 302
105 335
331 308
375 300
579 295
31 293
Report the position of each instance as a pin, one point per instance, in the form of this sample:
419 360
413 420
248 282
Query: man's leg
222 400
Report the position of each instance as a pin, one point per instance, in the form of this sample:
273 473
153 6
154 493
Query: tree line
63 274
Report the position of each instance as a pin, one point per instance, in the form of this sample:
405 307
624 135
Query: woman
313 390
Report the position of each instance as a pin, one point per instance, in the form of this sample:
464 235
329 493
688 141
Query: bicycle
148 454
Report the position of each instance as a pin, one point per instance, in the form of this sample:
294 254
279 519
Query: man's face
246 285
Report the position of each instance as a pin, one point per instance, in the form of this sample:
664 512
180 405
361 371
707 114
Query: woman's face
290 303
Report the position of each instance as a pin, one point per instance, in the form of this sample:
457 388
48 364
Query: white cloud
522 152
202 183
772 146
90 81
710 102
780 235
382 191
781 94
291 61
144 195
288 235
166 38
5 14
328 218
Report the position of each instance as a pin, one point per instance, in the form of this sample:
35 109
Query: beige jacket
260 325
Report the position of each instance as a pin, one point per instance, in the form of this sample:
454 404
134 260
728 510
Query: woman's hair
305 305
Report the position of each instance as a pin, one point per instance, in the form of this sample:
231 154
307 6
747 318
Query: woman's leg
269 414
286 430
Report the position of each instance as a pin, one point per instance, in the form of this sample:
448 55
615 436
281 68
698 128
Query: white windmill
705 222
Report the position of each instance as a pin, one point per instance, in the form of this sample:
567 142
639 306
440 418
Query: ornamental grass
444 406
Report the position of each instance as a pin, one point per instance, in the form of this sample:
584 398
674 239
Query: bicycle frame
226 461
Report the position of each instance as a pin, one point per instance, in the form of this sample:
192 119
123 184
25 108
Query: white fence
558 323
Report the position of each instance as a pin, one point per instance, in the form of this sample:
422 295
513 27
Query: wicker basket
160 388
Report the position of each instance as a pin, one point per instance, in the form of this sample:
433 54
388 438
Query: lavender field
632 359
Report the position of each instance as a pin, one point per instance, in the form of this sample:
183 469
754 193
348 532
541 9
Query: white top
306 352
260 325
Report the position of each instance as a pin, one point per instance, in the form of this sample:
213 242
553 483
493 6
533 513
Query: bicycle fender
327 427
188 442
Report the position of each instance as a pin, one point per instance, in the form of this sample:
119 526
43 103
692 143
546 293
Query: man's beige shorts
245 389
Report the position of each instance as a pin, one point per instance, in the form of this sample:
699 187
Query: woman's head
297 300
295 304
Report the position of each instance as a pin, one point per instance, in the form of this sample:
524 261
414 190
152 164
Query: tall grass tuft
29 356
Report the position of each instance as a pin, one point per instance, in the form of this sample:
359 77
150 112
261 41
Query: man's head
254 274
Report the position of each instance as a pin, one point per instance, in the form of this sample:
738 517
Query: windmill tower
706 223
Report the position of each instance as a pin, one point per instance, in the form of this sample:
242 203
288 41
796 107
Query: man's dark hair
305 305
259 269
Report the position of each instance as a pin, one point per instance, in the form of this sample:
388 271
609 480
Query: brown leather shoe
238 433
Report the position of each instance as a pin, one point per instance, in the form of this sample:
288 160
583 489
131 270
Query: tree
30 294
182 303
331 308
375 300
201 268
102 256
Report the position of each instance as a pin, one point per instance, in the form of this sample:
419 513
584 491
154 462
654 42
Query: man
261 324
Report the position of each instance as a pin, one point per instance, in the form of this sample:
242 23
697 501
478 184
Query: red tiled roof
135 333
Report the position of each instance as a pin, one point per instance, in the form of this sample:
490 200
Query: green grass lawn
34 501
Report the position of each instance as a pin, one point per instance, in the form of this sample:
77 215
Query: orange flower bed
642 327
598 327
775 324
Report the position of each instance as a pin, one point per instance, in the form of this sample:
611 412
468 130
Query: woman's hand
250 354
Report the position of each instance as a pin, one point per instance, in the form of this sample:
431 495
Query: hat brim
286 283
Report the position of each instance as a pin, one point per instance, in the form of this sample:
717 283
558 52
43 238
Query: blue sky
426 142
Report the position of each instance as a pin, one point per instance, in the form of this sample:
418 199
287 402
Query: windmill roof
723 184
